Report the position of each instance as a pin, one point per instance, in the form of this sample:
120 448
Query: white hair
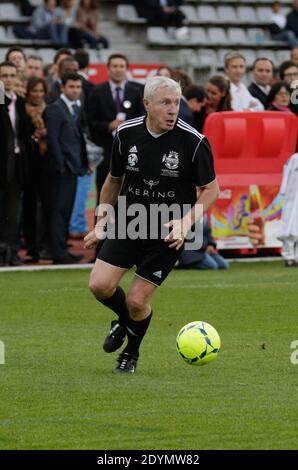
156 82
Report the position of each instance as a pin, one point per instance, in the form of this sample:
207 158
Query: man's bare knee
100 288
136 305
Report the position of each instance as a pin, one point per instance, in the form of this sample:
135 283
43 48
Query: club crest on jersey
132 159
171 161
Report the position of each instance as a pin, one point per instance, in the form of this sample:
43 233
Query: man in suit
15 146
262 76
34 66
109 104
78 223
16 56
65 161
82 58
66 65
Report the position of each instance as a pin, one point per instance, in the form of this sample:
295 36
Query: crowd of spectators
51 112
65 24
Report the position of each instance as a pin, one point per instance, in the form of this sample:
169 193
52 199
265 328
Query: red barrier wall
250 148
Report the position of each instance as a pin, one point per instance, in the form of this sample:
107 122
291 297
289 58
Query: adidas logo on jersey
133 149
158 274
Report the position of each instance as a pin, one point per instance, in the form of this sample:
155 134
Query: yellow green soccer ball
198 343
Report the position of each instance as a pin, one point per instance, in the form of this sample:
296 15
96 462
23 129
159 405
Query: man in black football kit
157 159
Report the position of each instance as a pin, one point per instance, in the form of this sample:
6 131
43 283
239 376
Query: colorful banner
241 207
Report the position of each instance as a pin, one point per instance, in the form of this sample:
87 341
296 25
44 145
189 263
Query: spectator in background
262 77
165 13
278 25
182 77
288 72
48 23
15 151
16 56
69 64
109 104
65 160
53 72
33 207
184 81
196 98
294 55
74 33
207 257
87 19
78 226
20 84
218 99
292 19
34 66
165 71
35 106
218 94
26 8
235 68
69 12
82 57
279 97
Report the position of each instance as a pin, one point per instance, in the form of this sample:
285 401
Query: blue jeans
214 261
286 35
57 33
92 41
78 221
22 32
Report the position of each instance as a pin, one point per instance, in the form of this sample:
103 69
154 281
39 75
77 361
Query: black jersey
164 169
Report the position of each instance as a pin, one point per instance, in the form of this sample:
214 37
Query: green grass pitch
58 391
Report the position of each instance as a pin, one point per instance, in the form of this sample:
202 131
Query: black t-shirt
164 169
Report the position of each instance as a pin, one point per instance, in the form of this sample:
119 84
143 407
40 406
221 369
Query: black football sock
136 331
117 303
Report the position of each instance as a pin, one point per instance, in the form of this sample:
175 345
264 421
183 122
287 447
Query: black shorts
153 258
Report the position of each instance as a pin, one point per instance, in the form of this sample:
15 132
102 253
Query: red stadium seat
250 143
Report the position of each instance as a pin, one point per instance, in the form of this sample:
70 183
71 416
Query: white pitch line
49 267
46 267
230 285
254 260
